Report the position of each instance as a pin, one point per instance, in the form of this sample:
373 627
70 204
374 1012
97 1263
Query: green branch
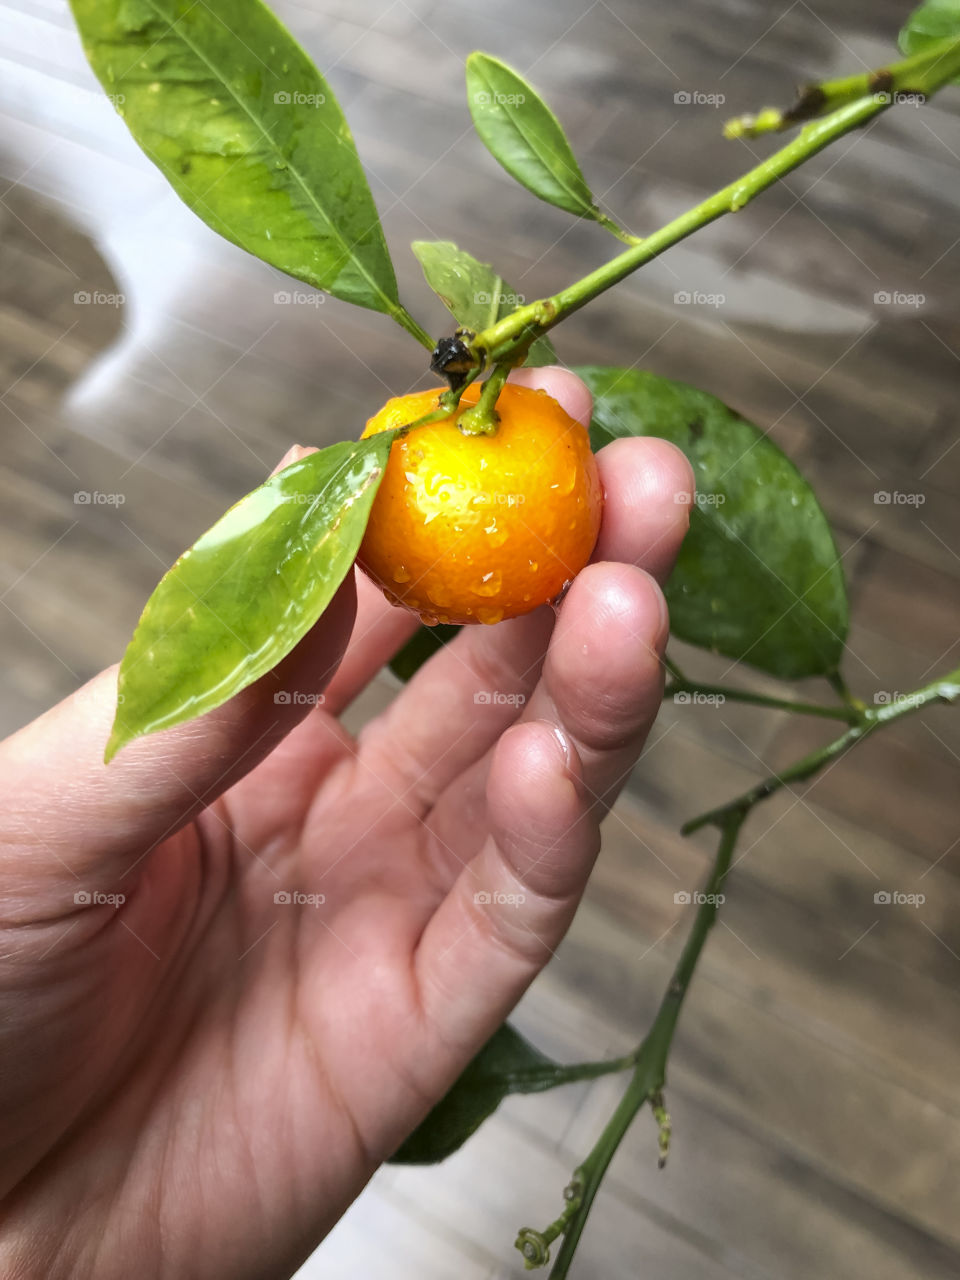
646 1084
945 689
723 693
913 78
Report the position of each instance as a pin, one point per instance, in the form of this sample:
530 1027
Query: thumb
68 819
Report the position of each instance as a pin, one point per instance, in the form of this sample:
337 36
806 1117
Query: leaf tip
120 735
114 743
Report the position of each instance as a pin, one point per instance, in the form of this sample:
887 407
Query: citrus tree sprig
651 1057
912 77
863 721
511 333
646 1083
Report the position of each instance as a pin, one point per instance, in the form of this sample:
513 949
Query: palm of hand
229 1062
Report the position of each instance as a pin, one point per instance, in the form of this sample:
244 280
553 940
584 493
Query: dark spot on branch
810 103
881 81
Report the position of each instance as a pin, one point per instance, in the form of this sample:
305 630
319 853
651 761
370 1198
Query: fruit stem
483 419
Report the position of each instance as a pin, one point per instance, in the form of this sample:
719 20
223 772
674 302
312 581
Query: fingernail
564 742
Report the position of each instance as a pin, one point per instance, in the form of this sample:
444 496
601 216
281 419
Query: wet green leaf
473 292
524 136
506 1064
423 644
248 133
758 578
935 20
249 589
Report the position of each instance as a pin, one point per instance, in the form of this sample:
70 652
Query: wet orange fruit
476 528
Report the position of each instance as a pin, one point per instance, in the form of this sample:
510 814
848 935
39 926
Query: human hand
197 1082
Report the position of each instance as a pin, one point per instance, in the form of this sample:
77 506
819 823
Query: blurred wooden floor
814 1087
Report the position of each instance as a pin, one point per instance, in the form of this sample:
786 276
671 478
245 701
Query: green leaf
423 644
248 133
249 589
524 136
758 577
935 20
473 292
506 1064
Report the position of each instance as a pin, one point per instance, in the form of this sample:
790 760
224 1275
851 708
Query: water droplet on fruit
401 574
568 480
533 566
489 585
429 619
489 616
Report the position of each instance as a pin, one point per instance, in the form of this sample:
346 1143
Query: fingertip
571 392
604 669
649 486
625 597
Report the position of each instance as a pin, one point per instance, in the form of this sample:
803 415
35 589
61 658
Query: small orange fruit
476 528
